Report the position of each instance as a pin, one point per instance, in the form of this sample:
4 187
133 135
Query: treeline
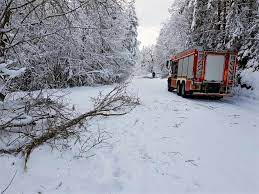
64 43
211 24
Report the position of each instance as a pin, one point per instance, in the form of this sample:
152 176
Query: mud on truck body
202 73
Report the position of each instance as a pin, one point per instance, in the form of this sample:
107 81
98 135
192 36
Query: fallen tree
34 120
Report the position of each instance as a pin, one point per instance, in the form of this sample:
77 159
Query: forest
66 43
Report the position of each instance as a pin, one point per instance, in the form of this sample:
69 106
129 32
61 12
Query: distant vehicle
202 73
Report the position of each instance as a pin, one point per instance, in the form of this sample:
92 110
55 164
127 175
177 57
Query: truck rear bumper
209 94
211 89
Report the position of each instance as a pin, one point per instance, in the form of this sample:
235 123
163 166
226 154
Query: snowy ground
167 145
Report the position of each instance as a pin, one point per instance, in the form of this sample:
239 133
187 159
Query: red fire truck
202 73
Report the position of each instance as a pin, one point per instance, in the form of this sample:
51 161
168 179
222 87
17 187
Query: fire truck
199 72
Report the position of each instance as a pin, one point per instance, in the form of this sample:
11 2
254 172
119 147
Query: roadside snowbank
250 77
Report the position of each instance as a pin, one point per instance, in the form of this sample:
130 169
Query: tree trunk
219 15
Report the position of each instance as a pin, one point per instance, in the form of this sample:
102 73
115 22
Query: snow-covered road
166 145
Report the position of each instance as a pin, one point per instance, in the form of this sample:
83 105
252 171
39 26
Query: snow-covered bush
250 80
7 75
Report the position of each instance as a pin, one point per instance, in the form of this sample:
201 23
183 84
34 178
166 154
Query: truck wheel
183 89
170 89
179 89
218 97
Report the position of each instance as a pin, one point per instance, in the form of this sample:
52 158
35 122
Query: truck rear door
214 68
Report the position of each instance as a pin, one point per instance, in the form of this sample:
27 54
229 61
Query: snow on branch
4 70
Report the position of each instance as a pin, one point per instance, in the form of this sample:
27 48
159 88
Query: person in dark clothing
153 74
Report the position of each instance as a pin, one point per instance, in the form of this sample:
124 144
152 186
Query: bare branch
2 192
115 103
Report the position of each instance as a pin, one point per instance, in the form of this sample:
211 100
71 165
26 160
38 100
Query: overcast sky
151 13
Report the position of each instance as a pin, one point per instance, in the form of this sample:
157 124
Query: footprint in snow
177 125
235 116
144 155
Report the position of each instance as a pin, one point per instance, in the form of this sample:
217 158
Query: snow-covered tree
131 41
173 35
68 43
242 29
7 74
147 60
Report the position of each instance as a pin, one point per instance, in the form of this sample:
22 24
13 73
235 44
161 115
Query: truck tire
218 97
179 89
183 92
170 89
